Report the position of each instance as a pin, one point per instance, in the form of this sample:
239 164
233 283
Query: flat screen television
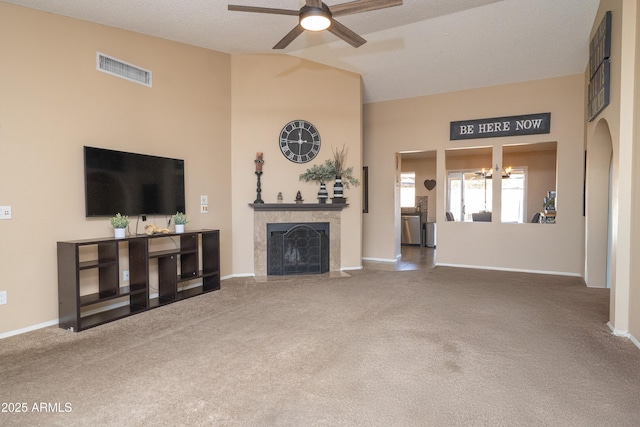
132 184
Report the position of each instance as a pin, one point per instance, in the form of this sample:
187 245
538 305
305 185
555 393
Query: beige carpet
414 348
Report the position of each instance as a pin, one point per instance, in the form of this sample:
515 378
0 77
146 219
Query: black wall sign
600 44
531 124
599 68
599 90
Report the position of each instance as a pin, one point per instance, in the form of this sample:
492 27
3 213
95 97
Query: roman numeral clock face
299 141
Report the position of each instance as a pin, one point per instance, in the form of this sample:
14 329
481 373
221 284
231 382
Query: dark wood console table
82 263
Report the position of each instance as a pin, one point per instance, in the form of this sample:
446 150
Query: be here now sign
531 124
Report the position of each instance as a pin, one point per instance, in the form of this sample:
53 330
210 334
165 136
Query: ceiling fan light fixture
314 19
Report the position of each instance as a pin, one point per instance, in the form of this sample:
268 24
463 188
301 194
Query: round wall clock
299 141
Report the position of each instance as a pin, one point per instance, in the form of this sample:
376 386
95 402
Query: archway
599 176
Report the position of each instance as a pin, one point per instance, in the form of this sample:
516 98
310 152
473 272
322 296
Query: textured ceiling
423 47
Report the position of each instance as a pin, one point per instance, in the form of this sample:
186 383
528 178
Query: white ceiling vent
118 68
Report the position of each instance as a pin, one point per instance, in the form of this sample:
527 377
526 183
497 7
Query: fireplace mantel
298 206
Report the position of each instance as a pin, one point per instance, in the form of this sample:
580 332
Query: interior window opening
470 195
513 196
529 195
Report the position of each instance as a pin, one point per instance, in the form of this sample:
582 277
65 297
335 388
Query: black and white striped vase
323 194
337 187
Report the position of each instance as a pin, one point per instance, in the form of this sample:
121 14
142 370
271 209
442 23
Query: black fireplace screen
297 248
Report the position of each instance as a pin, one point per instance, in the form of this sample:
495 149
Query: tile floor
413 258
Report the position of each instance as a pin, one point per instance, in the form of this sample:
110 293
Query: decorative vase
337 187
338 197
323 194
119 233
179 228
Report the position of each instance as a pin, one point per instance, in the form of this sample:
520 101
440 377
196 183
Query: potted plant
343 175
180 219
320 174
119 224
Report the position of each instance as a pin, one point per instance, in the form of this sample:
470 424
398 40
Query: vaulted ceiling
422 47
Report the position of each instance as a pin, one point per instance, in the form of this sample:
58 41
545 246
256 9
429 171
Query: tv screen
132 184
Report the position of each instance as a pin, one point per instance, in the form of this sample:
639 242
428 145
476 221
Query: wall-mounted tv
132 184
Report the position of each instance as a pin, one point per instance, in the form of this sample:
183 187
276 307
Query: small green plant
318 173
119 221
180 218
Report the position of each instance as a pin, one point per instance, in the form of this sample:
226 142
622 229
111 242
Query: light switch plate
5 212
204 200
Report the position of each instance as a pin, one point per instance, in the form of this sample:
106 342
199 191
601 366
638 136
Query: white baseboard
380 260
623 334
617 332
634 341
29 329
515 270
241 275
359 267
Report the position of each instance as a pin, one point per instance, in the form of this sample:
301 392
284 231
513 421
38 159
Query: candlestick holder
258 189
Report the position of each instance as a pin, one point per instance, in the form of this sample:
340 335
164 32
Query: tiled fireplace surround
294 213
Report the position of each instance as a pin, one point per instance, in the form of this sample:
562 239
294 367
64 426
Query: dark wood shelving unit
176 267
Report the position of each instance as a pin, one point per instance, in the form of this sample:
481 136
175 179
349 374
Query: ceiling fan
317 16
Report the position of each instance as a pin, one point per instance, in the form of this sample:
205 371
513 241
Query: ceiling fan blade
362 6
297 30
346 34
237 8
314 3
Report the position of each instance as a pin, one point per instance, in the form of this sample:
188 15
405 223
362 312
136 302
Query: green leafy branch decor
330 169
318 173
119 221
338 168
180 218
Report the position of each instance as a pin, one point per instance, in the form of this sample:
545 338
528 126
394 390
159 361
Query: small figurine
280 197
299 198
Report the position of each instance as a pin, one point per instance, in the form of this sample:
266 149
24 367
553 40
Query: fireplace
297 248
291 214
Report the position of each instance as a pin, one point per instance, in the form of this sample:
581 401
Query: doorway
598 208
416 197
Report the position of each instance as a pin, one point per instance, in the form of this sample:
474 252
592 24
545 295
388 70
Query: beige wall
424 122
268 92
616 128
53 101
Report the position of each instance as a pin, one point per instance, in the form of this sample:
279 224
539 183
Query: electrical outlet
204 208
5 212
3 297
204 200
125 276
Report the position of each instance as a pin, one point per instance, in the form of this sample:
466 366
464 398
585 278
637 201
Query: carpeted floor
380 348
